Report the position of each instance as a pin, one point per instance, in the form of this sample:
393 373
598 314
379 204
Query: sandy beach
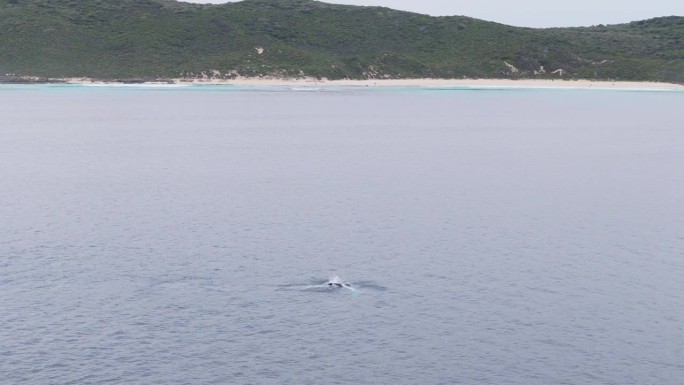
475 83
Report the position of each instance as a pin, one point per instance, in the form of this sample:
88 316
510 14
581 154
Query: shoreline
426 82
477 83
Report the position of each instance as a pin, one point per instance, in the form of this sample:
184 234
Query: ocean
187 235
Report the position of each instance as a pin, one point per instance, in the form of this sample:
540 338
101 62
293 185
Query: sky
532 13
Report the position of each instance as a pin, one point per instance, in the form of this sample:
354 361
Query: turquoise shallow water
172 236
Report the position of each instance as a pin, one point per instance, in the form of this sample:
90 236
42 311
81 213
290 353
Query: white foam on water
135 85
310 89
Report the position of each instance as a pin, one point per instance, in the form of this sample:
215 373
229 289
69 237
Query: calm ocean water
185 236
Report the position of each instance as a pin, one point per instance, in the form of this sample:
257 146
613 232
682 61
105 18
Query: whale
339 285
333 285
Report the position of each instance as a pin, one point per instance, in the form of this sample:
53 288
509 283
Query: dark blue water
185 236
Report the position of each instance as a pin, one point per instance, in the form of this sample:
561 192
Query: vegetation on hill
295 38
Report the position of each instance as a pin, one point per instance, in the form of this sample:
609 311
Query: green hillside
164 38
